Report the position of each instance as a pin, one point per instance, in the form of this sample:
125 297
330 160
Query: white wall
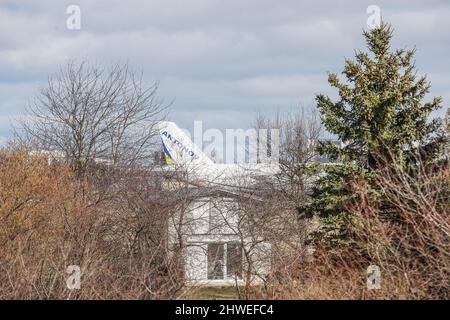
197 234
196 262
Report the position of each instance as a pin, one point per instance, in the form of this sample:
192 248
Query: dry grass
210 293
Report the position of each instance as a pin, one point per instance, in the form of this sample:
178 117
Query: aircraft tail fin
178 147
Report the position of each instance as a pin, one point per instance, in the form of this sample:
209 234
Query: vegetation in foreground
384 203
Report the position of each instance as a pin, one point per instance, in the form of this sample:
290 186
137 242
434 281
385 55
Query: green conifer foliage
380 112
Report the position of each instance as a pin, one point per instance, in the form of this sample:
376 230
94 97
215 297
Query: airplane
181 153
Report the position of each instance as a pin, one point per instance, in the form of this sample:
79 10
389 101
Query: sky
221 62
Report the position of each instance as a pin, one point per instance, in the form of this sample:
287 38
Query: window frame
225 258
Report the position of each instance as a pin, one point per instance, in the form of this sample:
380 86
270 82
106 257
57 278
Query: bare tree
92 114
299 133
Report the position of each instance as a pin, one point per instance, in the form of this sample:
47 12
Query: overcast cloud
218 61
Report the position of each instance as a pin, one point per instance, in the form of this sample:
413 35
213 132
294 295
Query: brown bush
406 235
50 220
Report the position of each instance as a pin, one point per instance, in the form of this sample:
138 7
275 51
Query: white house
218 247
219 243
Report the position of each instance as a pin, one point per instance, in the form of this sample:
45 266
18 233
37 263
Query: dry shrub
118 237
406 236
50 220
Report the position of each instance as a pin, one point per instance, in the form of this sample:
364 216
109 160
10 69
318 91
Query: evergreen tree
379 113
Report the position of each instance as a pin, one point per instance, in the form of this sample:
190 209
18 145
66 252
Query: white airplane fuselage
182 154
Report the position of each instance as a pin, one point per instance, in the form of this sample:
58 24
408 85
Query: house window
215 261
234 260
224 261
